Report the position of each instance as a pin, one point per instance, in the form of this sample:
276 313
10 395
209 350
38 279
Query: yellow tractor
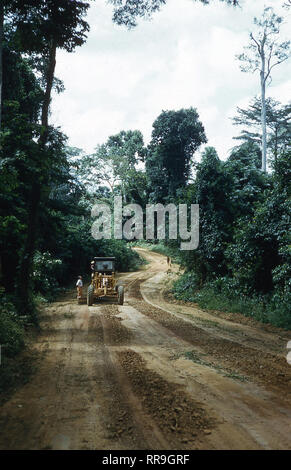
103 282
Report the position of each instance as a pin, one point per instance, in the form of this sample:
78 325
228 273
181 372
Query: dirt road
151 374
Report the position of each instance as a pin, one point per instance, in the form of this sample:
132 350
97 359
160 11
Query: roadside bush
262 245
225 294
279 310
11 330
185 288
45 273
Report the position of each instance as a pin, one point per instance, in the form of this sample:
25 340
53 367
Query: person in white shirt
79 285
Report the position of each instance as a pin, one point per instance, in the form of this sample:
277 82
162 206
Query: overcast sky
183 57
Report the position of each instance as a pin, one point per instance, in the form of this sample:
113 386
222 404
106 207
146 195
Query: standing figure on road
79 285
169 264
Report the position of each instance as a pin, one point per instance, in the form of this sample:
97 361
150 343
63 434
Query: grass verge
223 295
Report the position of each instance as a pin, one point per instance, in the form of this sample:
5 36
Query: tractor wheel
120 295
90 293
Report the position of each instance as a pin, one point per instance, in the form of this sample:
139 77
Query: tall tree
212 190
263 53
176 136
249 182
114 163
7 8
42 27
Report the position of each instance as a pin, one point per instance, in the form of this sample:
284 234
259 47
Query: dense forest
48 188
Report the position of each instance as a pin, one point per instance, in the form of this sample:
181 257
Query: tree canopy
176 136
278 122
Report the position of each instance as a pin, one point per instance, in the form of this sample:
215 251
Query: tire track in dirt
116 333
266 368
180 419
161 411
75 400
252 416
128 421
116 377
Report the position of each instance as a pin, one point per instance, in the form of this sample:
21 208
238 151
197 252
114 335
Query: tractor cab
104 265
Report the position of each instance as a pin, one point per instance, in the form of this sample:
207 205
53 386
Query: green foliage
166 250
126 258
248 182
186 286
14 369
277 121
212 191
256 248
282 173
11 329
243 262
225 295
74 250
38 23
115 164
45 273
176 136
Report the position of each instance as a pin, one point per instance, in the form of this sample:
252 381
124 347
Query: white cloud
184 57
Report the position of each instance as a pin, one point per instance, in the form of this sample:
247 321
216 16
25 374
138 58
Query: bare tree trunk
48 91
263 117
26 263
